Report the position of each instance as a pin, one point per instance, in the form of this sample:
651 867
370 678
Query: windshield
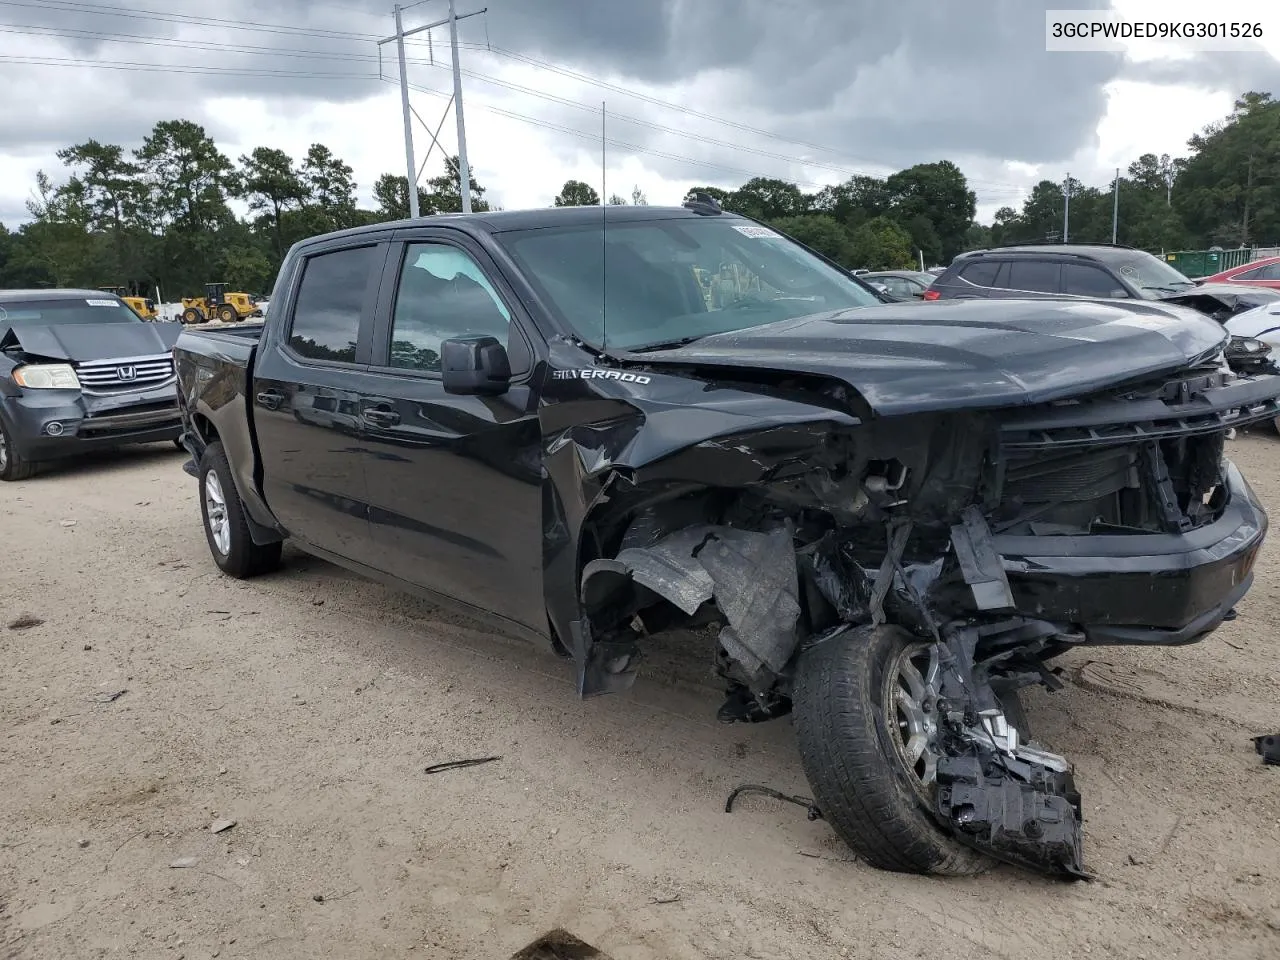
1152 276
40 312
673 281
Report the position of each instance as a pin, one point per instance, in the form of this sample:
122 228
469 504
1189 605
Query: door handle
381 417
271 399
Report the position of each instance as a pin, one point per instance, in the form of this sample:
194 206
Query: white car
1260 323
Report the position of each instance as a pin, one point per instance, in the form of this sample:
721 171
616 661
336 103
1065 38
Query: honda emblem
127 373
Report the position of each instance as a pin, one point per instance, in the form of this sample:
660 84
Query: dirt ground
305 706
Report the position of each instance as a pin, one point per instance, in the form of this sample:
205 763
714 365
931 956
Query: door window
982 273
443 293
331 298
1033 276
1080 280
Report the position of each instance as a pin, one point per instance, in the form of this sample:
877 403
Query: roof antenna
604 226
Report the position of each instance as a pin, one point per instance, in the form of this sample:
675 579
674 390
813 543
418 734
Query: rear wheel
225 525
13 466
864 708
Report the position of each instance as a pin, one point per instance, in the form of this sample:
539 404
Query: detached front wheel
225 525
864 709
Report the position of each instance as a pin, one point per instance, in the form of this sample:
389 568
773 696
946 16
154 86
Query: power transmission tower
464 170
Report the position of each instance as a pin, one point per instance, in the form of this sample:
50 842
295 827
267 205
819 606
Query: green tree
765 198
854 202
616 201
271 185
188 176
575 193
391 193
445 191
881 244
819 232
1229 190
638 199
939 193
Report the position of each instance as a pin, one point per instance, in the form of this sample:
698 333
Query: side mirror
476 366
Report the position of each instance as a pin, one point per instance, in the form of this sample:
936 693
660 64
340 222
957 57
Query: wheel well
205 428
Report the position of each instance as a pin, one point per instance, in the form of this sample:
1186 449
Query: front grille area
130 420
112 376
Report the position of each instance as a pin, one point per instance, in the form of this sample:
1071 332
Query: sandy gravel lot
305 706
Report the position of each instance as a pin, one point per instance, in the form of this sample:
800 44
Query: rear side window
331 297
1254 274
1080 280
981 274
1034 276
1271 272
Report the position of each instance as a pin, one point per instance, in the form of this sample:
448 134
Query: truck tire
192 315
227 314
225 525
13 466
849 724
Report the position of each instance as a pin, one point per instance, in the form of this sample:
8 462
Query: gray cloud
879 86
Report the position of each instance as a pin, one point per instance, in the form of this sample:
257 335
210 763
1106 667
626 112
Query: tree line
161 214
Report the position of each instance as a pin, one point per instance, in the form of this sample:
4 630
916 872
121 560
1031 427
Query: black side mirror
475 366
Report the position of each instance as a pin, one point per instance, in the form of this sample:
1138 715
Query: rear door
307 383
455 482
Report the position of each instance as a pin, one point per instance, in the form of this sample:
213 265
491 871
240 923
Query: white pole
464 170
1066 206
1115 210
411 168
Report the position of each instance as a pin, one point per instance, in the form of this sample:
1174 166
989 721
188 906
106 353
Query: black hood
80 342
965 354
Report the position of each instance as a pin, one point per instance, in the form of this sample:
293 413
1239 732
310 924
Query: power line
290 30
190 68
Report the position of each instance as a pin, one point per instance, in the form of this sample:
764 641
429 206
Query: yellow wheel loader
142 306
218 304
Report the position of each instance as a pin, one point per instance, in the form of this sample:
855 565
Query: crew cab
891 517
80 371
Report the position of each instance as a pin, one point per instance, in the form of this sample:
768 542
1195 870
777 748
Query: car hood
963 354
80 342
1222 300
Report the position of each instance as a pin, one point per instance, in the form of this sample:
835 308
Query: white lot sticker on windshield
102 303
757 233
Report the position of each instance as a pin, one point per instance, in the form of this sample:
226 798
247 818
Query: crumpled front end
778 515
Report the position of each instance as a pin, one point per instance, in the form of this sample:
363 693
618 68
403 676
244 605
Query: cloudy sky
696 91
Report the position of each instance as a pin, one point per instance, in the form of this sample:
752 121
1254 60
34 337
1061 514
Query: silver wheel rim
215 508
911 709
4 451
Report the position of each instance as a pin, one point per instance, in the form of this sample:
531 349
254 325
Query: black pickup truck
590 426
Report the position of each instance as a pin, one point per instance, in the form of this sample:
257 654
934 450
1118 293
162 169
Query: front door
454 481
306 392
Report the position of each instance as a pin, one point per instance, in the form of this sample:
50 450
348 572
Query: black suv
1059 270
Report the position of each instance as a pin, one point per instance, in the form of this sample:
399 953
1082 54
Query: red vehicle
1259 273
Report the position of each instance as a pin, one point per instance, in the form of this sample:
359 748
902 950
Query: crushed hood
1223 300
80 342
965 354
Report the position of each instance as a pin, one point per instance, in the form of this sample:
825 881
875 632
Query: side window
1271 272
1034 276
982 273
331 297
1254 274
443 293
1080 280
